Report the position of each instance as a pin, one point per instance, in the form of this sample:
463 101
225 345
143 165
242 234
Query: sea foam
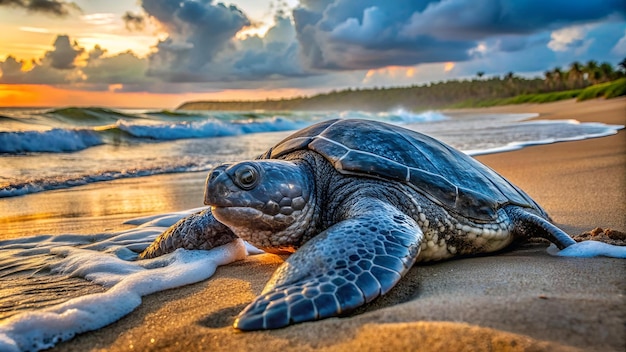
559 133
105 262
589 249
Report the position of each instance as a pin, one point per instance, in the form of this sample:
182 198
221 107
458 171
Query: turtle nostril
213 175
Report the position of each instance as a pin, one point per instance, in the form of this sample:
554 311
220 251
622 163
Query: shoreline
105 206
522 299
579 175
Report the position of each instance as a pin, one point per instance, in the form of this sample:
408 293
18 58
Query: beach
522 299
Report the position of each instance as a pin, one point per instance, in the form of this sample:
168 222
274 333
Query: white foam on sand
598 130
589 249
106 262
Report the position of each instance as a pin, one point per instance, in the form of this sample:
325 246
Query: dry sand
520 300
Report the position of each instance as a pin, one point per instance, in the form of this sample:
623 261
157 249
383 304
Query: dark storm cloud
477 19
202 45
198 31
347 34
53 7
513 43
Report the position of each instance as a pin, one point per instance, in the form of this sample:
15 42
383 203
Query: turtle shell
443 174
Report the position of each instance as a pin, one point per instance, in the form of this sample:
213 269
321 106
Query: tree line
580 75
434 95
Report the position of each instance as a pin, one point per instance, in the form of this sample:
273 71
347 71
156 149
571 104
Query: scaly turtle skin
361 202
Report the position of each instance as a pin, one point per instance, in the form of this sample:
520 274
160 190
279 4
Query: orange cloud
391 72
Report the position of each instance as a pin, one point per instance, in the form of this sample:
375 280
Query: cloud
69 63
335 43
198 32
275 55
134 21
478 19
57 66
567 38
10 69
202 44
52 7
64 55
620 46
344 34
12 73
123 68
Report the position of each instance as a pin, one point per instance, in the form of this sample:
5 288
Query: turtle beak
216 185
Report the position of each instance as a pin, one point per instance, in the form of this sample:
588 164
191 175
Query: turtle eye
247 177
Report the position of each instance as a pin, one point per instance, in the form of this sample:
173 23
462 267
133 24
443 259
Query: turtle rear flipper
344 267
531 225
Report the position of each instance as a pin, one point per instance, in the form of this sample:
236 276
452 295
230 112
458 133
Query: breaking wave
206 128
56 140
73 129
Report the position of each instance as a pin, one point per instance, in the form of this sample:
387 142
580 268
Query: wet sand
519 300
99 207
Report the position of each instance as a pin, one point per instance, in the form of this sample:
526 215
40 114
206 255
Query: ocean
47 149
54 286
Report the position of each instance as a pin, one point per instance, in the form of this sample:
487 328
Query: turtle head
265 202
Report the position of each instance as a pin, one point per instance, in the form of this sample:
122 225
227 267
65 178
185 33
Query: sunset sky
160 53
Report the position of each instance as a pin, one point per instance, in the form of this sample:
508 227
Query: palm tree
622 64
591 71
549 79
557 76
575 74
480 74
621 68
606 72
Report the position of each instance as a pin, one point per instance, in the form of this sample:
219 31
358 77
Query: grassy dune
606 90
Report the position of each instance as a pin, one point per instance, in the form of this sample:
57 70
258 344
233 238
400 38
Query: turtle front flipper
532 225
196 231
342 268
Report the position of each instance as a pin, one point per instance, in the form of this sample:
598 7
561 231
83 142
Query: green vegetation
521 99
582 82
606 90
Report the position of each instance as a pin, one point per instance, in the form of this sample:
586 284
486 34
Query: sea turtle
359 202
